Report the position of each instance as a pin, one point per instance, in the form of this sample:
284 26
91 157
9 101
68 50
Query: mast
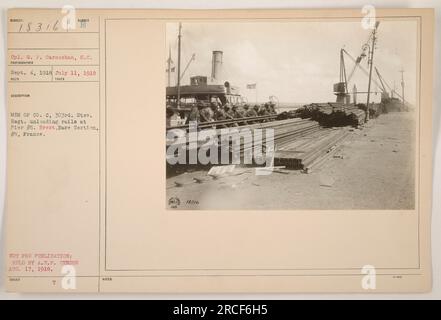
179 67
169 66
371 62
393 91
402 85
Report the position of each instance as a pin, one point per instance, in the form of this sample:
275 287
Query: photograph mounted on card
219 150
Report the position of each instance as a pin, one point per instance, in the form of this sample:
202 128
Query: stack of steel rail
303 152
298 142
333 114
284 131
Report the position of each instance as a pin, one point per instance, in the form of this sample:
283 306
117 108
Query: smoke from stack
216 66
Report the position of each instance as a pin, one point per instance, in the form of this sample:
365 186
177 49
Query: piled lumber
301 153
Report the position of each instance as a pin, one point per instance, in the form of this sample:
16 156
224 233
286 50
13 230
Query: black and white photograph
287 115
302 146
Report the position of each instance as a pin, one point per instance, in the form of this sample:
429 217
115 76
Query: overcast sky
296 61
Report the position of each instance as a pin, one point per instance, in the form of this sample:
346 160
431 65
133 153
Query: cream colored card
96 101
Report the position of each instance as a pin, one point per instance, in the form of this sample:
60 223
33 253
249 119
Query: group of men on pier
214 111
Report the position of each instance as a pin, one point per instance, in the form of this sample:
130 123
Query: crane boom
357 62
387 85
343 78
366 72
381 80
346 79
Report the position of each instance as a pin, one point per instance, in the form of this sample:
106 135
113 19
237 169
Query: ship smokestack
216 66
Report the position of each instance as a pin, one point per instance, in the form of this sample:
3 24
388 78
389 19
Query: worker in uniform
169 114
263 110
268 108
219 114
229 110
272 108
256 110
241 111
194 114
214 109
206 113
230 114
239 114
250 113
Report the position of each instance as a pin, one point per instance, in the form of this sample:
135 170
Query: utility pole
371 62
402 86
179 67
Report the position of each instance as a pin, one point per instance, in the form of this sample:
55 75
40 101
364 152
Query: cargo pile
285 131
303 152
298 143
333 114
